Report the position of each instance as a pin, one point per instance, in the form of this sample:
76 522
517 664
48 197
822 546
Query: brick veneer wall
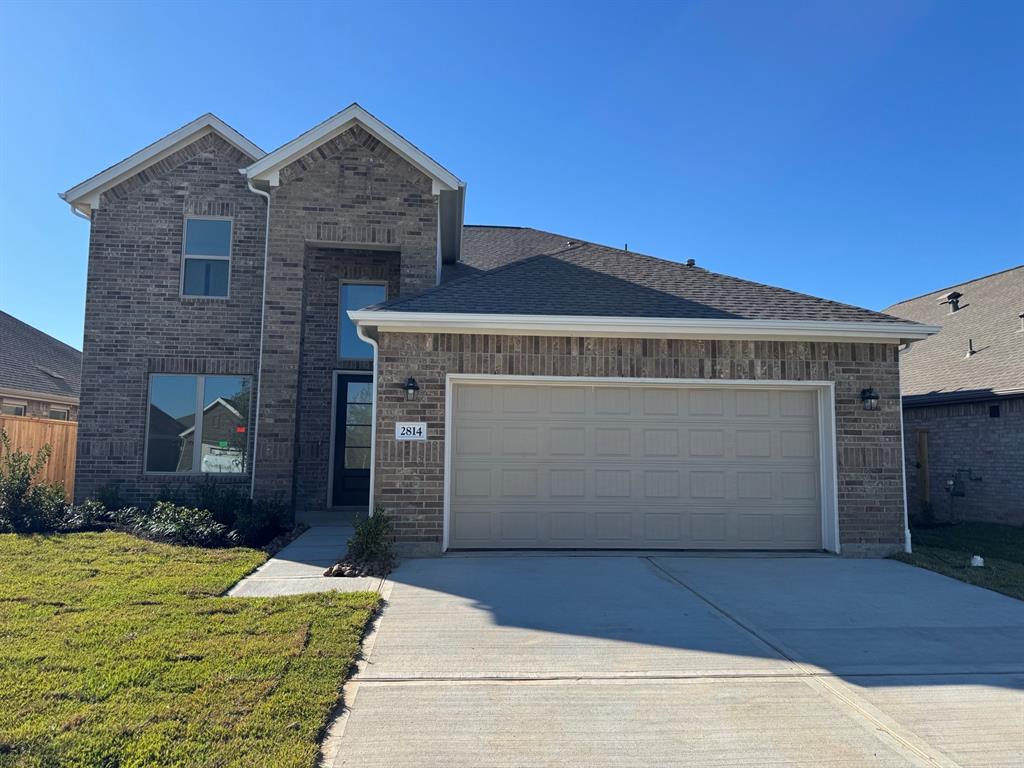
136 323
964 437
325 270
409 479
350 190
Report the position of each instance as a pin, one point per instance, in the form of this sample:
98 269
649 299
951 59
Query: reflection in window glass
355 296
222 425
357 458
60 414
172 416
206 277
225 424
359 392
207 237
206 257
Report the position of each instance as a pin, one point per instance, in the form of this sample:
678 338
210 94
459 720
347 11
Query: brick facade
353 209
354 192
351 192
136 321
325 270
983 454
409 479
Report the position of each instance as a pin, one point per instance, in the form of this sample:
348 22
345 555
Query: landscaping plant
27 504
369 549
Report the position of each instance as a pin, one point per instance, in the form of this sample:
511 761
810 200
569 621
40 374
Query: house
487 386
963 401
39 375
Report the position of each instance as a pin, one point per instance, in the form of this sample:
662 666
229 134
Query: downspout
903 465
907 548
373 412
263 315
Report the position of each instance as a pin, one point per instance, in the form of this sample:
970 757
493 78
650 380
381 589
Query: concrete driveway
691 661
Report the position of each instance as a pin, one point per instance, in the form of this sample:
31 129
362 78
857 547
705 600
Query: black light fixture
411 388
870 399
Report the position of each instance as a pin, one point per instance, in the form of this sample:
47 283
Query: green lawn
116 652
948 550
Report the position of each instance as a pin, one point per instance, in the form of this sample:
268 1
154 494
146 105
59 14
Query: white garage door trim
826 428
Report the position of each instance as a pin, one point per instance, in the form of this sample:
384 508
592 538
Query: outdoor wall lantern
411 388
870 399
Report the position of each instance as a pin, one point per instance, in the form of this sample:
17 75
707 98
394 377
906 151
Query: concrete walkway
299 567
684 661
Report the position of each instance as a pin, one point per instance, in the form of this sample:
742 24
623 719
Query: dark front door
353 415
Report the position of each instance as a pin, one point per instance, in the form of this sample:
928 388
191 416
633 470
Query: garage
583 464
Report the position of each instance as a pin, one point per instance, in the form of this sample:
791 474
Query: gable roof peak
85 196
267 169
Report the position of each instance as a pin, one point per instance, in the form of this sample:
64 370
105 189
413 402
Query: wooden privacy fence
29 434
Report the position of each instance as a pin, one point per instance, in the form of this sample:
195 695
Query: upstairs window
9 408
206 264
60 414
356 296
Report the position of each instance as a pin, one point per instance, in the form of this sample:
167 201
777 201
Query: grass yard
948 549
116 652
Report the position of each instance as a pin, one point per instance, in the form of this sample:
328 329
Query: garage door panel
627 467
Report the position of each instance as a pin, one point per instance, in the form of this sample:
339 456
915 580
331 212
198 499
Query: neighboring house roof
35 363
512 272
939 368
85 196
219 402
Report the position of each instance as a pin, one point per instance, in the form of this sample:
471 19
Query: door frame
337 372
826 391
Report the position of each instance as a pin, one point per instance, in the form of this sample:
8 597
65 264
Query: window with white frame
198 424
12 408
58 413
206 261
356 296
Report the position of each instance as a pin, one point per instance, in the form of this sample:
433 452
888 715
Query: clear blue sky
862 151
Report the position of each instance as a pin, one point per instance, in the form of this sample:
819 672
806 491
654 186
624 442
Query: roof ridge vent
953 299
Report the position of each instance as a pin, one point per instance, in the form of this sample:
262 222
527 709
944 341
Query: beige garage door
603 466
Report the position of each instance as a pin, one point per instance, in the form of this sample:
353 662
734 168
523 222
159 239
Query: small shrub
222 501
26 504
90 515
173 524
257 522
109 496
372 539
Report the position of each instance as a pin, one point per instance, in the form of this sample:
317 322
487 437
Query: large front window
207 257
198 424
356 296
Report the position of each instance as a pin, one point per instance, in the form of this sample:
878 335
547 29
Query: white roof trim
645 327
268 167
85 196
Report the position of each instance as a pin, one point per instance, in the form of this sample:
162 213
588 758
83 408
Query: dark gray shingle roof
937 368
507 270
33 361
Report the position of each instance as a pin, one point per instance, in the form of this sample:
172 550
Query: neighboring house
489 387
963 401
39 376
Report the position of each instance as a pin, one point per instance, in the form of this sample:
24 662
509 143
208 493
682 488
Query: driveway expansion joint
829 683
